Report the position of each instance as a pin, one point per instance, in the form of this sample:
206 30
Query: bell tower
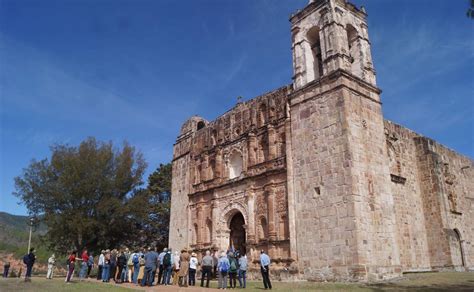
337 163
328 35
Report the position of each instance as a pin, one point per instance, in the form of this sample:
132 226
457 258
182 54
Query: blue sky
136 70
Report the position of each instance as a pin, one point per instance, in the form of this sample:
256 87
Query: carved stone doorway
237 232
458 254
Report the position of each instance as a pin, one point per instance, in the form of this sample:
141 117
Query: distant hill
18 222
14 232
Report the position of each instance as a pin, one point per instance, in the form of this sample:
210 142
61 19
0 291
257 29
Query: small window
235 165
200 125
315 43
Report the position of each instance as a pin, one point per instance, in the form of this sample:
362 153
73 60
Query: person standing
265 269
100 264
112 264
29 261
183 268
141 271
136 266
151 262
106 267
168 267
90 264
193 263
215 261
207 265
121 264
71 265
175 272
243 265
233 267
223 266
129 266
85 259
161 278
6 268
51 262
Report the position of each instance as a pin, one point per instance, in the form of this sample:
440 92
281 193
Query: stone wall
434 190
406 190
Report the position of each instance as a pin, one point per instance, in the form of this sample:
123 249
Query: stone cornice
311 7
331 82
281 168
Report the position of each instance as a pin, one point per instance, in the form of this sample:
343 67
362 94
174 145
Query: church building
312 173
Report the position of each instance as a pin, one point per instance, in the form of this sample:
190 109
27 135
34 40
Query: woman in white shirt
193 263
175 267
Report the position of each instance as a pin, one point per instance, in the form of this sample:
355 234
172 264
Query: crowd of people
148 267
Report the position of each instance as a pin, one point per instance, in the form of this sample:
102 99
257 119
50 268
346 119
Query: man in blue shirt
265 268
151 262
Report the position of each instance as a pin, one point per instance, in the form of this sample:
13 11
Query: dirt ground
446 281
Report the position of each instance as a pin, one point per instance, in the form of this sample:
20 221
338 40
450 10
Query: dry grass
447 281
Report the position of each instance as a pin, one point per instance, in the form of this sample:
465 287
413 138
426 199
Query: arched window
315 44
200 125
262 229
459 254
354 53
235 165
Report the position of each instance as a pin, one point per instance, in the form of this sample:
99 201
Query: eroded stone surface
327 186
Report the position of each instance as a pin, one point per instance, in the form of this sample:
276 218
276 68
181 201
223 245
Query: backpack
68 262
224 266
233 266
26 259
167 260
135 258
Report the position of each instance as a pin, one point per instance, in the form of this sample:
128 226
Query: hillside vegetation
14 232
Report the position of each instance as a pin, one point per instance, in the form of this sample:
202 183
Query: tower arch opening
353 48
315 43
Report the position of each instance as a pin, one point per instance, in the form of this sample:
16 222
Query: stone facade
317 177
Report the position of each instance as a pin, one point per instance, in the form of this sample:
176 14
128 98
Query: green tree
470 10
151 208
83 193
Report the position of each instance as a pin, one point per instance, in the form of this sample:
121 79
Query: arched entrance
237 232
458 254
